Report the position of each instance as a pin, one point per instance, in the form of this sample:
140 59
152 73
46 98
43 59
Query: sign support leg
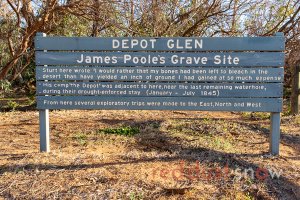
275 133
44 130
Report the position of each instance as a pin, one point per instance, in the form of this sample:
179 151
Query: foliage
81 138
12 105
256 115
126 131
5 86
135 195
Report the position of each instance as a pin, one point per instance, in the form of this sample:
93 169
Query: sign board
192 73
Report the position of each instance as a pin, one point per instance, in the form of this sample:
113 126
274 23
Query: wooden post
44 122
275 133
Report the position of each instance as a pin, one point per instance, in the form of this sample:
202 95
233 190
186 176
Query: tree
21 19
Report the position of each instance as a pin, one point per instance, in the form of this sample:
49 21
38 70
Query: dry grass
159 162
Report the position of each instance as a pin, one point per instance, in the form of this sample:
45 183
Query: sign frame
256 52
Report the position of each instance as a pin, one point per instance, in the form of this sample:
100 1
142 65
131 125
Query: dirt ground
175 155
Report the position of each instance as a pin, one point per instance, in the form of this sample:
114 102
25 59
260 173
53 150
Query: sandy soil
176 155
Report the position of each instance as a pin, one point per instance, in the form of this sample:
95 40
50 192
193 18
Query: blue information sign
171 73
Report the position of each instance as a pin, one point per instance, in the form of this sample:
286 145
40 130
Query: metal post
44 131
275 133
44 121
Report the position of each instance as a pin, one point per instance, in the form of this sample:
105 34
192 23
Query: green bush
5 86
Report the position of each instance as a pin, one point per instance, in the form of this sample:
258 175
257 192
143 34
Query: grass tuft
12 105
81 138
125 131
256 115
